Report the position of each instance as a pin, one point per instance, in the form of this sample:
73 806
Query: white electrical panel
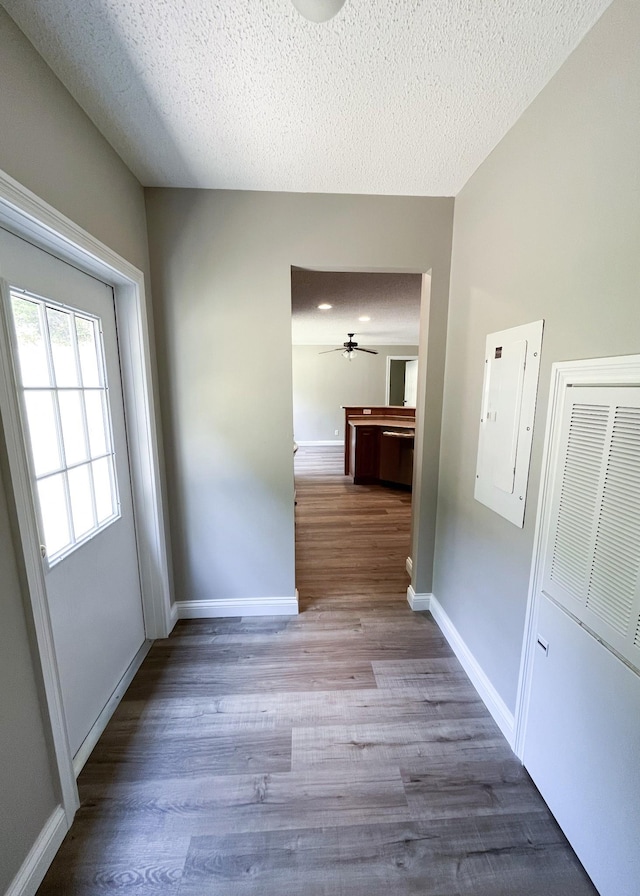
512 362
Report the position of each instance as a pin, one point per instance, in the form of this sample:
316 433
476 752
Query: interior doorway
402 380
322 372
381 309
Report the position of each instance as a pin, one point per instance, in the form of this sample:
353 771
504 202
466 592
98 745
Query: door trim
621 370
28 216
391 358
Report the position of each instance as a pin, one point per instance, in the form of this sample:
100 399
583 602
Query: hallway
342 752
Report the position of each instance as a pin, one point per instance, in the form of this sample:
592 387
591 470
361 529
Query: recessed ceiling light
364 318
325 306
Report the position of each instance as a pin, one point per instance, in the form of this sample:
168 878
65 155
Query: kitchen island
379 445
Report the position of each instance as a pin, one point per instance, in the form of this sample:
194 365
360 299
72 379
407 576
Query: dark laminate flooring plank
108 862
173 719
295 630
149 757
463 788
418 859
385 742
249 803
420 671
328 629
522 855
275 661
373 860
277 650
211 679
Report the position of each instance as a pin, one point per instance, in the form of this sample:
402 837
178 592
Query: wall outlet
336 432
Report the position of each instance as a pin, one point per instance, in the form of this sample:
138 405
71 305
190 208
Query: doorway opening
402 380
389 315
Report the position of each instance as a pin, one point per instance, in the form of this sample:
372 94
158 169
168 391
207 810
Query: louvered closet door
582 740
592 552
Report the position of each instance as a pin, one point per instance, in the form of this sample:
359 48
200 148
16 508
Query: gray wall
548 227
221 267
51 147
322 384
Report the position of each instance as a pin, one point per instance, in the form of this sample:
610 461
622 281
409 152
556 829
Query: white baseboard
492 700
41 854
408 563
418 602
238 606
110 707
317 443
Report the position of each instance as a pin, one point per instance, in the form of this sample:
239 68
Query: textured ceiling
391 96
392 301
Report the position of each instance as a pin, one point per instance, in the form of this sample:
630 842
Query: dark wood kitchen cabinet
381 453
364 454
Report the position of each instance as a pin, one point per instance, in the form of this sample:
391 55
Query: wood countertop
397 422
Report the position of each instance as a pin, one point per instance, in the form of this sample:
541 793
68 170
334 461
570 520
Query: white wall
322 384
50 146
548 227
221 266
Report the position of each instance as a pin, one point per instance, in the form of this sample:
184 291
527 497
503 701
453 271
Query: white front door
65 356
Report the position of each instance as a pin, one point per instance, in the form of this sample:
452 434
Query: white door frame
23 213
391 358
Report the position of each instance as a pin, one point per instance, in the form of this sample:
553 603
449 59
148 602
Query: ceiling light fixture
318 10
364 318
325 306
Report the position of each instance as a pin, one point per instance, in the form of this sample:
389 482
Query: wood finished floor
339 753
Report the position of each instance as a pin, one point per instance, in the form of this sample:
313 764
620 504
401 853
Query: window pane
81 500
96 423
53 509
62 349
43 434
105 506
60 355
32 353
88 351
75 447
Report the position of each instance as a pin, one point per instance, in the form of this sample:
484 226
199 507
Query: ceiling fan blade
329 350
369 351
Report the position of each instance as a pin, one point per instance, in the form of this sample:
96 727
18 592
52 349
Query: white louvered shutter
592 547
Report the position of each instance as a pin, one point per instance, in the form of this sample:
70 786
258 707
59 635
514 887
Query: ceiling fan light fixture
318 10
349 349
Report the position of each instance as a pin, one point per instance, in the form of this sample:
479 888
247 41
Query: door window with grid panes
65 399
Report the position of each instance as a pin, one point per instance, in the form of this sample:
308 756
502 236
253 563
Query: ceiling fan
349 349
